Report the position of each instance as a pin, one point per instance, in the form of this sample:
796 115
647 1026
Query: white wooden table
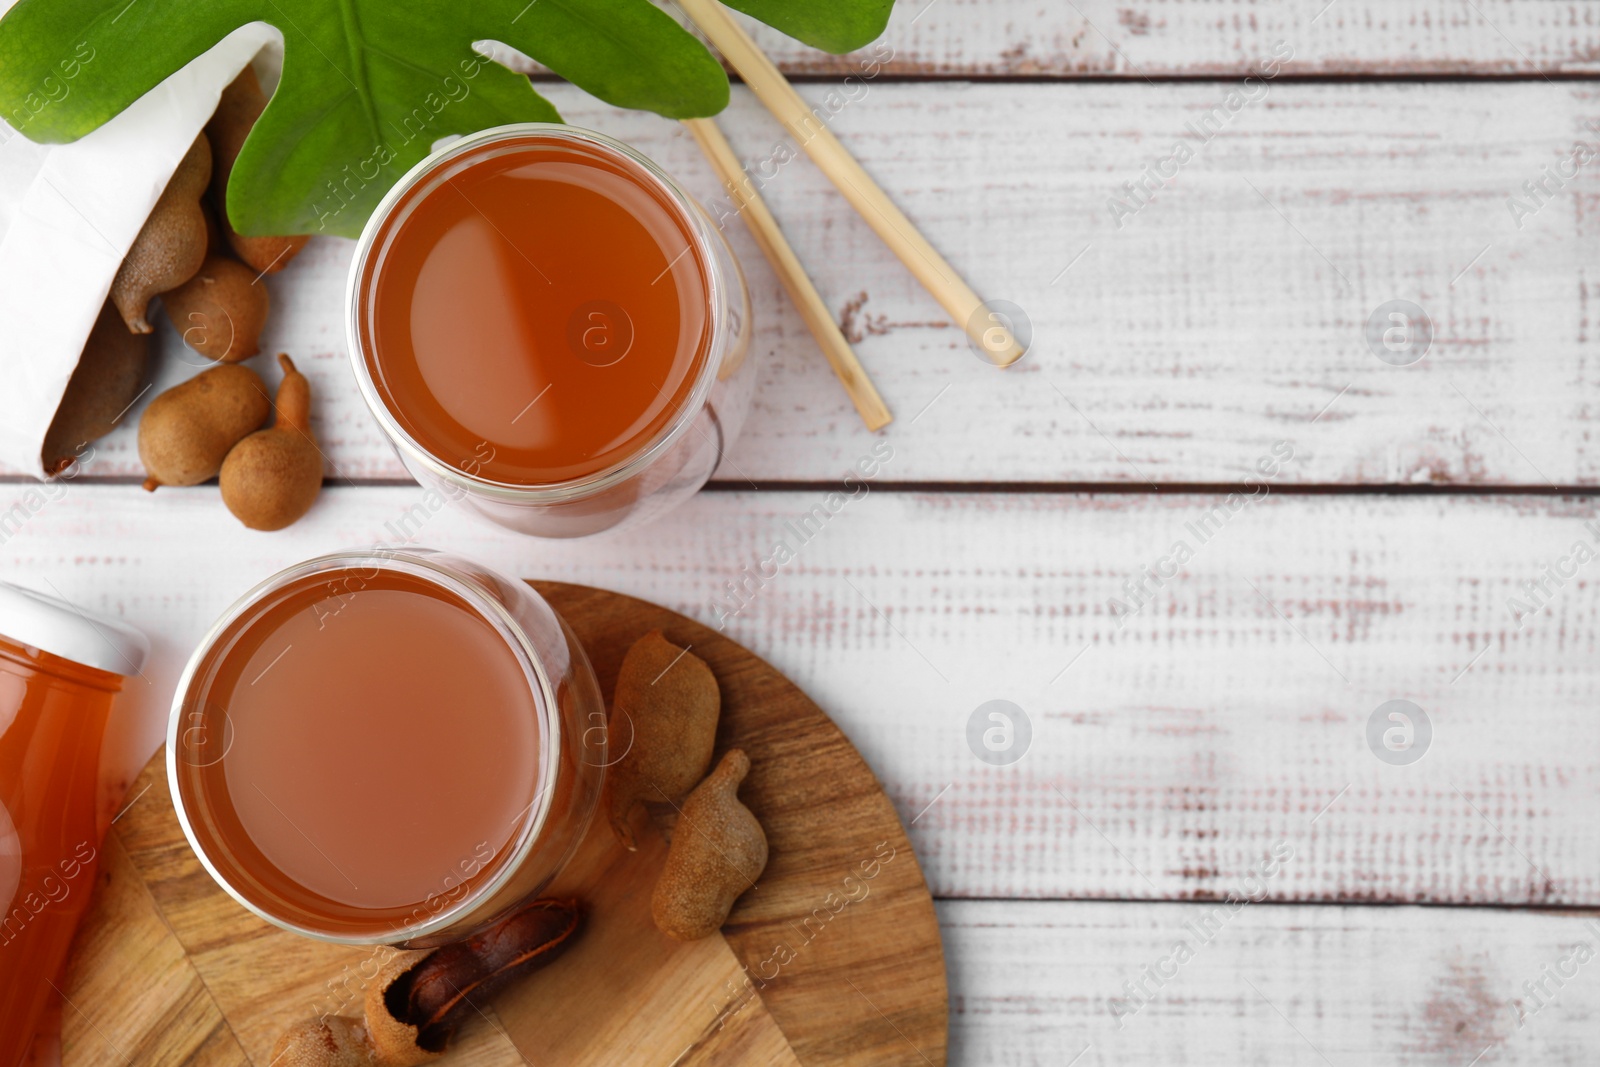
1442 912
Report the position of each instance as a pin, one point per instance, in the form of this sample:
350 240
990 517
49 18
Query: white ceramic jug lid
62 629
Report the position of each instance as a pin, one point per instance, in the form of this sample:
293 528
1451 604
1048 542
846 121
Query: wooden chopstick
764 228
963 305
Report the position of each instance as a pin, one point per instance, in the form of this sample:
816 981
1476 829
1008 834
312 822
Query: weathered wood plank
1035 983
1226 314
1212 38
1167 752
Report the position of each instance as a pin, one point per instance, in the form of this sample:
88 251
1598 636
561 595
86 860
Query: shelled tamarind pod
418 999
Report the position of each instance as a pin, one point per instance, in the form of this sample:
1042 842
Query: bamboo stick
764 228
871 202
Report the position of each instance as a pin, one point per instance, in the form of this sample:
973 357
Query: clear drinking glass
662 472
566 784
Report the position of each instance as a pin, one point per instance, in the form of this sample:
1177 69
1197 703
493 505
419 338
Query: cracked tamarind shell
395 1042
718 851
438 993
378 1039
241 105
331 1041
221 311
416 1001
671 703
109 378
171 246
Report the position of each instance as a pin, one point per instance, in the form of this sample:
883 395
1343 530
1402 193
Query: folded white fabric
69 213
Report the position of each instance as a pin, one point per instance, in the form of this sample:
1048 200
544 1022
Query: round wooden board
839 942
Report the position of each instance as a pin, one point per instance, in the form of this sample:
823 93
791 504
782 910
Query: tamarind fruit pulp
418 999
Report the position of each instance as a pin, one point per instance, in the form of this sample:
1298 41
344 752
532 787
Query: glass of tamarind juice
386 747
550 329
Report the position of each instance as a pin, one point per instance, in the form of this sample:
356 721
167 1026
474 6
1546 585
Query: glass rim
493 612
358 296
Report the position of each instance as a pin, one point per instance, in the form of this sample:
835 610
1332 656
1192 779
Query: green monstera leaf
832 27
369 85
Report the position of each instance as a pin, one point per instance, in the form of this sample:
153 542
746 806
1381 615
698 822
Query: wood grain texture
1173 752
1226 314
808 303
1218 38
127 963
839 939
1312 986
1167 753
243 979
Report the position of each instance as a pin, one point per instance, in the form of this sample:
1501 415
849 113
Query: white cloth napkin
69 213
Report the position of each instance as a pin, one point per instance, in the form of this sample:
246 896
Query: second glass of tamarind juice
549 329
391 748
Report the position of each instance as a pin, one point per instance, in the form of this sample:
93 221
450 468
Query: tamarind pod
171 245
436 991
241 105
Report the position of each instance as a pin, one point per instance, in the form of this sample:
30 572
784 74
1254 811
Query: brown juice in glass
362 751
539 316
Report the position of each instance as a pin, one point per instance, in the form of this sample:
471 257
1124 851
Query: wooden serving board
817 965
